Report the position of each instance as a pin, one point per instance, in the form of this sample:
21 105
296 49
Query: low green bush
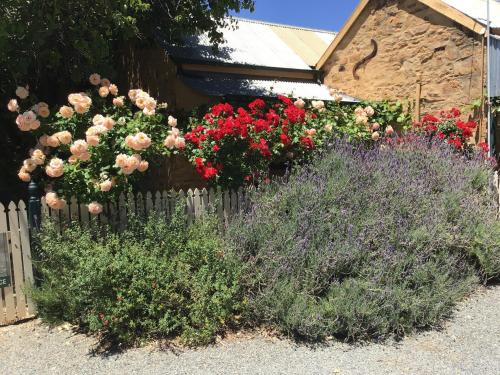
368 243
157 279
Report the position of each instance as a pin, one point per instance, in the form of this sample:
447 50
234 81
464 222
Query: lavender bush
367 243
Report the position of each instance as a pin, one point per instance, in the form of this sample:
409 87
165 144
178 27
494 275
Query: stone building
429 52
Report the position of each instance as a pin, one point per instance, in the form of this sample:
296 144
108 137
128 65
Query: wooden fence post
34 206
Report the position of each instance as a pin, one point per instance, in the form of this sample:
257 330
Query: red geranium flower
215 148
256 105
307 142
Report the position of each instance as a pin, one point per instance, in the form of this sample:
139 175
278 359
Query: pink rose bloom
375 126
105 82
169 141
64 137
299 103
22 92
78 147
24 175
103 91
108 123
106 185
95 208
119 102
92 140
13 106
143 166
29 165
389 130
375 136
180 143
95 79
172 121
66 112
113 89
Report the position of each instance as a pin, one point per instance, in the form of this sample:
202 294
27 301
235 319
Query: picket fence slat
9 316
26 255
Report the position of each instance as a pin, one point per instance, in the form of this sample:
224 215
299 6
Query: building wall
415 44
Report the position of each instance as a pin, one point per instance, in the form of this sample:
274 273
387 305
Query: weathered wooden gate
16 271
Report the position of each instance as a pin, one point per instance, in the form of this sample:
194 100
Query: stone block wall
415 44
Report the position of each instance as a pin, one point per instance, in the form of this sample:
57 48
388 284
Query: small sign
4 262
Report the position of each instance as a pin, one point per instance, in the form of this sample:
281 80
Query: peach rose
22 124
106 185
337 98
66 112
94 208
38 156
29 165
369 111
24 175
132 94
310 132
103 91
92 140
299 103
149 112
108 123
375 136
56 164
175 132
140 102
120 160
64 137
98 119
81 109
54 202
84 156
72 159
328 128
22 92
142 140
318 104
389 130
95 79
375 126
53 141
42 110
105 82
362 119
113 89
35 125
131 142
119 102
180 143
150 103
359 111
29 116
78 147
143 166
169 141
43 140
13 106
172 121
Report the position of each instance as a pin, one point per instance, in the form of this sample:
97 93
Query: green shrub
368 243
157 279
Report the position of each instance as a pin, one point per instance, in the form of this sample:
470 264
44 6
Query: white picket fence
15 303
224 205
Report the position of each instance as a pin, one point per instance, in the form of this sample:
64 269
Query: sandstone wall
415 44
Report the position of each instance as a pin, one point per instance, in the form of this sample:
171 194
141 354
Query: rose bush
450 128
230 147
92 147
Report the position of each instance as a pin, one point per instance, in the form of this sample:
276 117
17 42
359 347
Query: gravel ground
468 344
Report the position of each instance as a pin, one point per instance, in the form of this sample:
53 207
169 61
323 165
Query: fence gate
16 271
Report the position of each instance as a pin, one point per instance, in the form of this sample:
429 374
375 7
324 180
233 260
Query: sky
318 14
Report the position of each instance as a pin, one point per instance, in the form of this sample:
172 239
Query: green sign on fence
4 262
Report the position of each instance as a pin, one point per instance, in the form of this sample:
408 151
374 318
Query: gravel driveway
469 344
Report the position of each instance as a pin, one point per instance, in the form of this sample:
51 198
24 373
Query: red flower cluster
448 127
228 145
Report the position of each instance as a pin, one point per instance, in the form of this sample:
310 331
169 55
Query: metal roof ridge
261 22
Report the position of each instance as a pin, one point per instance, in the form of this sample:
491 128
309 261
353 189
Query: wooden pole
417 100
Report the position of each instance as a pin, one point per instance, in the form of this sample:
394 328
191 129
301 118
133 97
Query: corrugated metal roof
220 85
259 44
477 9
